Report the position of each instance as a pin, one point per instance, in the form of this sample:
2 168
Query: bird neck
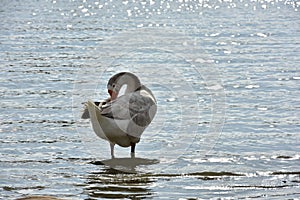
132 85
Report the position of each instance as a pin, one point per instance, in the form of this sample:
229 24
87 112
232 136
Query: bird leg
112 147
132 150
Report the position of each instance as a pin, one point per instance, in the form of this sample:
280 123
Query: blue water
226 76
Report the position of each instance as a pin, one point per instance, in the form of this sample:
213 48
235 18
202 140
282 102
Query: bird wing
85 113
135 106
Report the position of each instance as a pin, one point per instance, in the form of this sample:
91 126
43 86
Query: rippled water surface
226 75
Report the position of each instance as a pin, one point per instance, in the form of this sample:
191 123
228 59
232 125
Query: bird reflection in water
112 183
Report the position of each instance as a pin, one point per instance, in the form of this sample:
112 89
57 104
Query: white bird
122 119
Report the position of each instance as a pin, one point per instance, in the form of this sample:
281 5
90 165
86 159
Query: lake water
226 75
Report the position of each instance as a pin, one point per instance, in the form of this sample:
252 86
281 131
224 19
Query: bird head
116 83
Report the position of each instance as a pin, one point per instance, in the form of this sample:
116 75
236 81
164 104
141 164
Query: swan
121 119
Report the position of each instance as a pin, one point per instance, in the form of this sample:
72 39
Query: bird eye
114 85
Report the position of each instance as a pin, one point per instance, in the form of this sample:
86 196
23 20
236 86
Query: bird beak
113 94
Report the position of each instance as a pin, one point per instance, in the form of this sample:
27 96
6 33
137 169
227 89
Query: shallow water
225 74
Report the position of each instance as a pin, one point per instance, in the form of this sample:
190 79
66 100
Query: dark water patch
201 174
123 194
97 163
27 161
63 123
284 157
40 71
41 141
215 174
259 186
285 173
72 159
32 141
109 170
35 106
38 197
10 188
295 181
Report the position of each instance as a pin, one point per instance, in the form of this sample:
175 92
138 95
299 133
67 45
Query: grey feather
133 106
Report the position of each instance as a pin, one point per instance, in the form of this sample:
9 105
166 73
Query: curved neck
122 79
132 85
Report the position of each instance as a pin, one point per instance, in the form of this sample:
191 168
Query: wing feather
140 108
